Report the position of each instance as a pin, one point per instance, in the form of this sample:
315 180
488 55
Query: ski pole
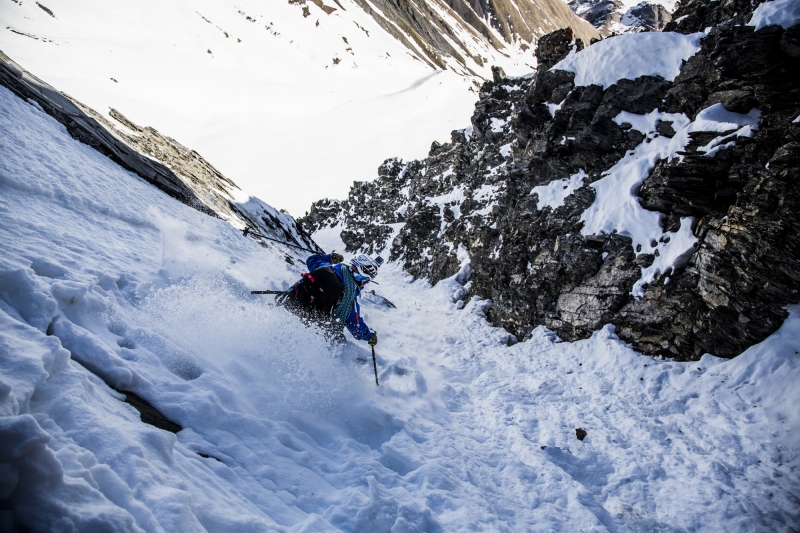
280 297
247 231
375 366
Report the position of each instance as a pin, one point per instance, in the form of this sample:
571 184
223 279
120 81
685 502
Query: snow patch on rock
554 193
784 13
616 207
631 56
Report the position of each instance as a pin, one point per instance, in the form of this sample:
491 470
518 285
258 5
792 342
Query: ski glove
336 258
374 339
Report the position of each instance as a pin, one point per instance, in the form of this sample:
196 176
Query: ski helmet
366 266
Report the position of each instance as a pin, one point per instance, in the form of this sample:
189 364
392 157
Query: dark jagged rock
554 47
696 15
473 198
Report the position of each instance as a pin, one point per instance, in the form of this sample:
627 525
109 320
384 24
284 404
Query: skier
328 294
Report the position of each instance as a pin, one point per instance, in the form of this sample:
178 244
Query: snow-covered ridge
784 13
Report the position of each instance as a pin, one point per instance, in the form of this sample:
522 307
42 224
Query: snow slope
103 276
290 108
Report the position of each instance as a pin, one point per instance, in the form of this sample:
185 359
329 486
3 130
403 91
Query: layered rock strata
434 30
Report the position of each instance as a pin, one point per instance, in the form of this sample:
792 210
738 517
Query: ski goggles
361 279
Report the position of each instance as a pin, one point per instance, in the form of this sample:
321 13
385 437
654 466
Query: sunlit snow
784 13
554 193
630 56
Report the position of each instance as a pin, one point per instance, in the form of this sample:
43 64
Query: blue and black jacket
354 323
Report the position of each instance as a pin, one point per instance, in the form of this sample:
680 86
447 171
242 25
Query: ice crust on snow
554 193
616 207
102 275
784 13
630 56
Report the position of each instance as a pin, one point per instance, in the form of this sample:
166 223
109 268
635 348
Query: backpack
320 290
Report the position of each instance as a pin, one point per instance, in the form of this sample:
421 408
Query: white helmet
366 266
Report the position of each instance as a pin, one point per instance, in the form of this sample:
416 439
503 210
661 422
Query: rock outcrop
605 15
469 208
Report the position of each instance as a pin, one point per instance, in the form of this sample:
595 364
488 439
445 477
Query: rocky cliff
511 204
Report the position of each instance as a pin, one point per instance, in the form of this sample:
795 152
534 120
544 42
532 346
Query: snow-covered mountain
643 181
142 388
253 86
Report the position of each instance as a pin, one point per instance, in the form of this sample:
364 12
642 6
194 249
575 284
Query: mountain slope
614 17
449 29
292 101
180 172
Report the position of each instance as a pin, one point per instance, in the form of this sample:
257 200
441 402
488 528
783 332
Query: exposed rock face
696 15
431 37
647 17
179 171
472 198
611 18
